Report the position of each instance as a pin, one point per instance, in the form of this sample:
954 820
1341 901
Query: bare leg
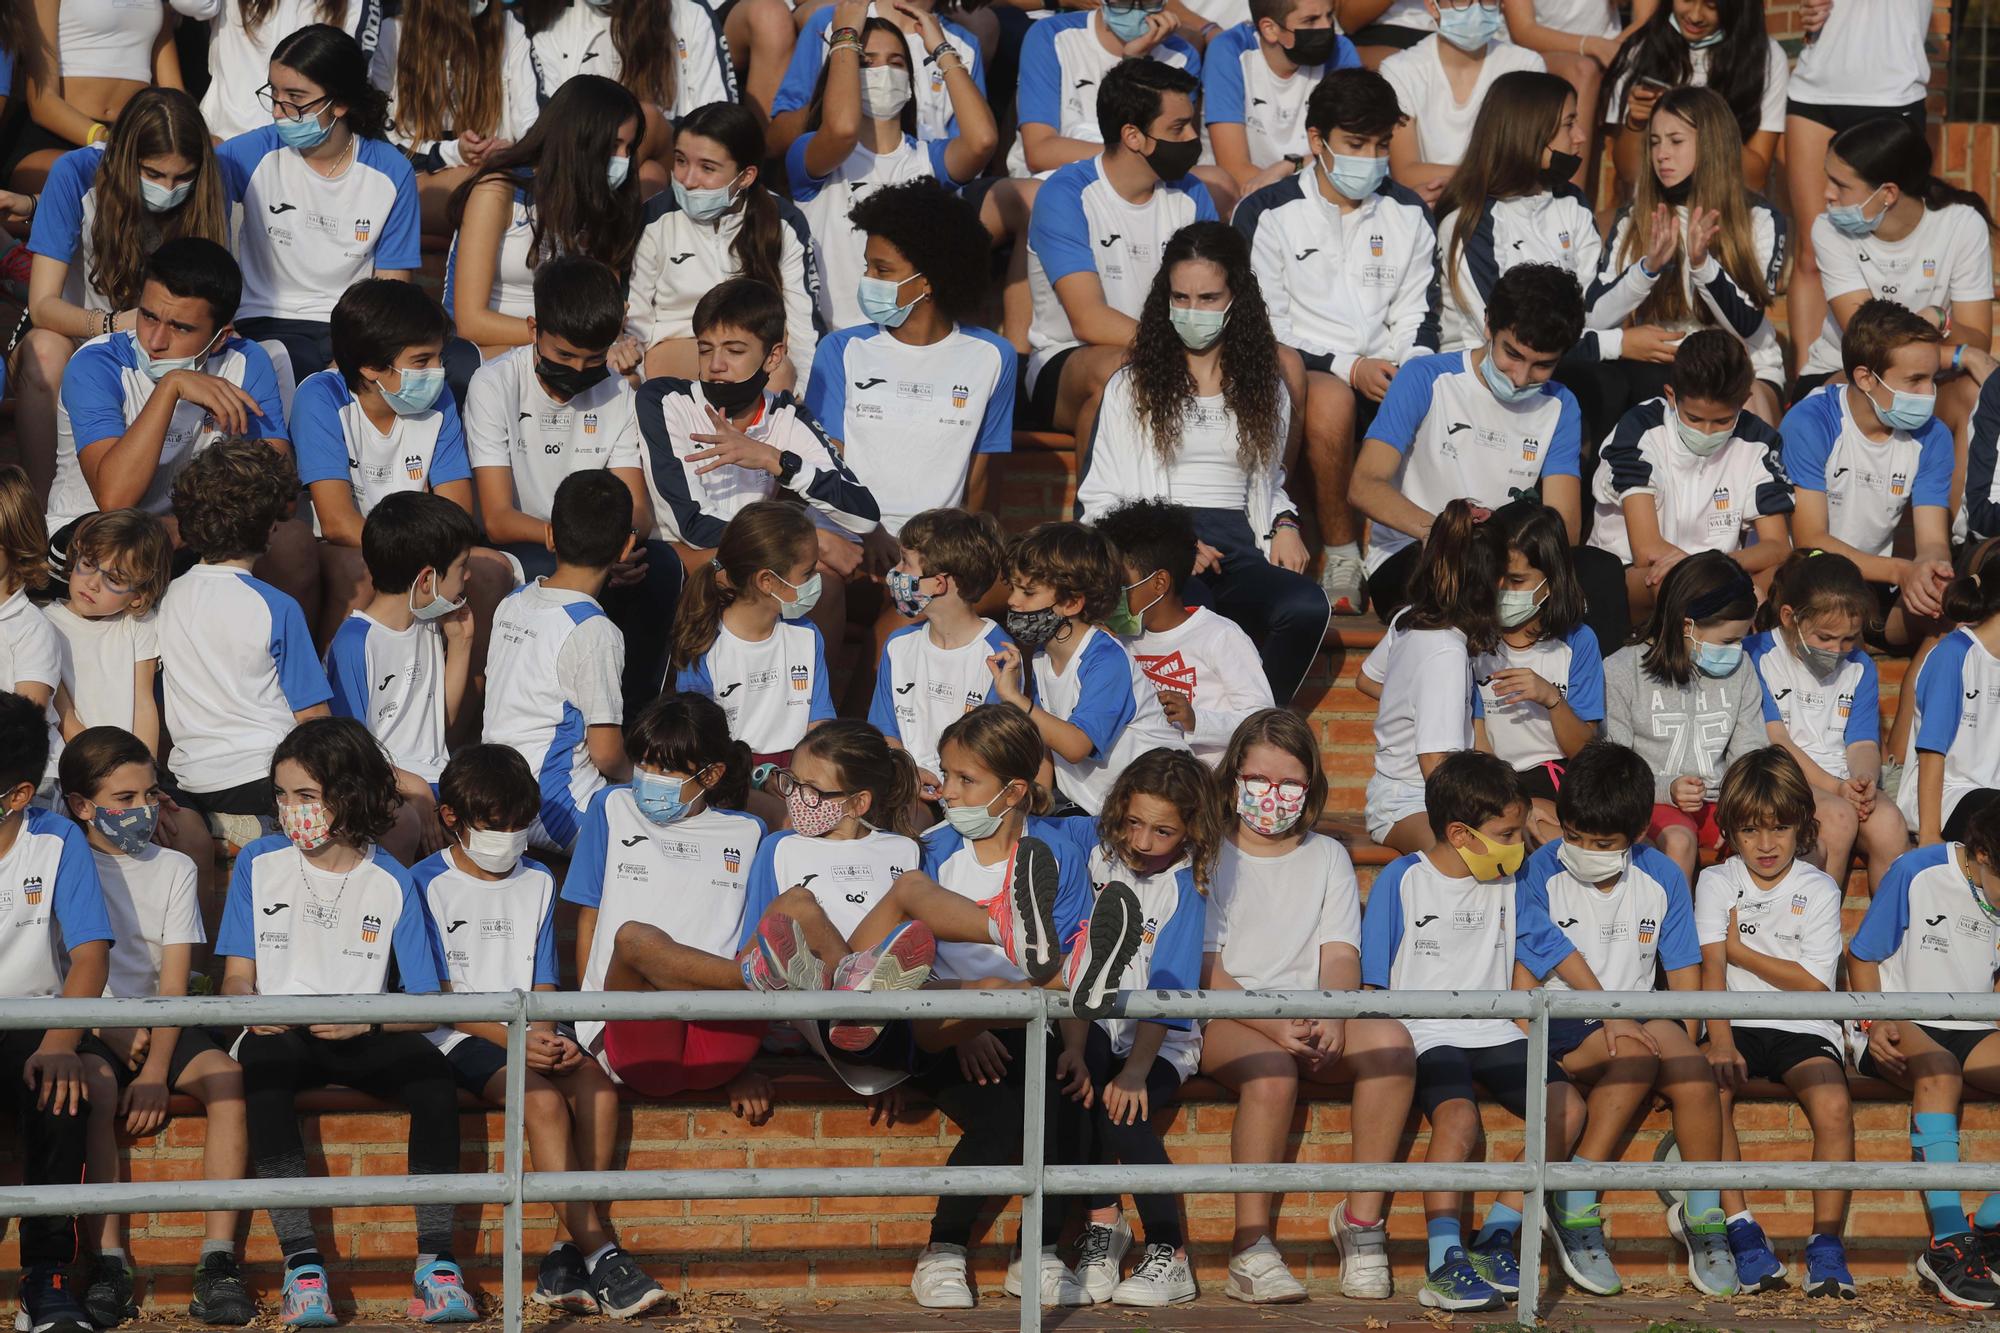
291 565
1884 837
1005 211
214 1080
1265 1079
672 356
1381 1064
1687 1082
801 906
546 1118
1732 1200
1677 844
593 1104
1821 1088
1330 411
1411 833
915 896
1837 827
645 957
1084 375
100 1156
1619 1084
760 36
1456 1136
1906 709
38 374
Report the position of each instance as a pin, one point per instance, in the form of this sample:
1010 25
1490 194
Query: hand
1976 363
1159 27
1430 189
1885 1043
1703 224
1731 1070
1923 584
1287 551
929 785
886 1106
1666 238
1640 98
544 1050
927 23
630 570
726 445
1329 1039
625 358
1293 1036
837 552
1206 558
1861 794
1813 14
1125 1097
144 1107
457 626
1624 1029
1006 668
16 207
1073 1078
1523 685
1372 377
231 409
1687 793
1650 342
56 1076
473 147
849 14
1179 710
1661 563
338 1031
269 1029
750 1097
880 553
983 1059
572 1056
1603 50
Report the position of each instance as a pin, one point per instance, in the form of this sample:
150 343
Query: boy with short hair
1256 81
240 667
1443 919
1094 707
934 672
555 659
1202 666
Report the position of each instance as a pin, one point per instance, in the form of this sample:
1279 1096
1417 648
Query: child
112 791
1822 703
1688 699
1159 833
31 652
934 672
1768 920
1693 471
240 667
1274 876
119 563
1421 672
1257 80
323 910
1538 694
1625 911
1195 659
62 938
1441 81
552 672
1948 776
1094 707
495 912
400 666
1477 814
1920 934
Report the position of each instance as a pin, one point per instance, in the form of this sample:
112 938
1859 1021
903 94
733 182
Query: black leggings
1285 614
1137 1144
50 1151
400 1067
1606 391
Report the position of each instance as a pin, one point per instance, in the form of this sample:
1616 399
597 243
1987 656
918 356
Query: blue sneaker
307 1303
1456 1285
1495 1263
1826 1268
441 1297
1757 1267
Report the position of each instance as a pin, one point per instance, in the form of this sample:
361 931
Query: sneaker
1162 1278
1956 1268
778 958
441 1297
219 1294
563 1282
1109 943
1579 1239
1989 1242
1757 1266
48 1305
1024 911
1059 1285
1826 1268
1364 1257
1344 580
306 1301
1100 1258
1494 1261
1258 1276
1711 1267
1456 1285
900 962
621 1287
108 1293
941 1281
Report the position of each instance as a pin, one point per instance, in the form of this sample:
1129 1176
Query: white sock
1743 1216
596 1256
993 930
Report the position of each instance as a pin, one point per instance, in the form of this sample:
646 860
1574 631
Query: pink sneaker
778 959
1025 910
900 962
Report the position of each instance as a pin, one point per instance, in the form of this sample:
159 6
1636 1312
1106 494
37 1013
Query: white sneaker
1100 1258
1344 580
1364 1257
1162 1278
1059 1284
1258 1276
941 1281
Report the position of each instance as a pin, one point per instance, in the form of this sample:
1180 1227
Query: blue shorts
474 1062
1566 1034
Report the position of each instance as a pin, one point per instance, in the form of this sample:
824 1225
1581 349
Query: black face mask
732 396
1312 46
1678 194
567 382
1172 160
1561 167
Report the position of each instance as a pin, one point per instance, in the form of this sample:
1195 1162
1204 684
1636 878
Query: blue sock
1443 1235
1499 1218
1934 1138
1702 1202
1567 1203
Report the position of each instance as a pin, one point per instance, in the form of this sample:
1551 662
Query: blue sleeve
1758 646
1881 930
1176 962
1478 701
1038 97
318 441
805 185
1864 712
1345 56
1222 80
938 151
1204 202
1535 935
299 674
826 390
260 381
347 669
78 899
584 884
1585 692
761 887
449 460
1382 919
1935 457
796 89
1808 440
93 396
882 707
1058 232
1408 400
548 971
58 225
236 937
1565 455
694 679
400 246
1104 702
1938 695
1679 945
238 158
6 73
822 708
415 943
996 428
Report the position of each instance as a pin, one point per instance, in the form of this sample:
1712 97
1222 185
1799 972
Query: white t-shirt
1823 717
334 440
1931 930
825 202
1258 903
1102 692
497 935
239 57
1209 659
50 903
1521 732
1702 504
1957 686
1771 110
392 682
512 422
772 690
922 688
65 220
1867 55
152 903
1442 122
1168 956
100 657
1426 704
1947 258
848 876
31 651
1239 87
1593 18
315 932
1797 921
1868 485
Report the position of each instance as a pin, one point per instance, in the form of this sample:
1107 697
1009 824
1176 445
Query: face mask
1123 620
434 609
1519 605
160 198
1820 661
418 394
1312 46
303 135
906 592
885 91
1269 814
1702 443
1198 328
1561 167
1694 43
1497 861
617 170
878 301
1716 659
1592 867
1906 411
127 830
478 7
309 824
973 822
732 396
661 799
1469 29
1356 177
1503 388
1173 159
702 205
1127 24
1853 219
1032 629
813 821
494 851
157 369
567 382
806 595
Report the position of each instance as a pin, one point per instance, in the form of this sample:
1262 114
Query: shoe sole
1831 1287
1236 1293
1014 1289
903 964
1176 1299
327 1320
638 1307
201 1314
1678 1229
452 1314
1425 1296
575 1302
1506 1293
1554 1228
1113 942
783 942
1031 888
1945 1294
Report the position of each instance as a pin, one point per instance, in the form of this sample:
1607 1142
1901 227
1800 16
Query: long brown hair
157 122
867 762
766 535
760 240
1717 184
448 69
1184 782
1007 744
1456 582
1503 157
642 32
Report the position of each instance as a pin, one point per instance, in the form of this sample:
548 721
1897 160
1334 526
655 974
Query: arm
840 103
1810 529
145 708
1045 149
1091 318
1373 491
1774 543
46 106
120 469
966 153
1930 797
1526 31
1758 150
339 520
489 211
1564 494
1408 168
606 744
1779 972
504 522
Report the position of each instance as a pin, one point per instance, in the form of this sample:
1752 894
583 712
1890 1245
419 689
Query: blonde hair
24 532
1717 185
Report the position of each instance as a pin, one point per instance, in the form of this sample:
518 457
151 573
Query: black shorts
1039 407
1566 1034
1961 1042
1838 117
1771 1053
1452 1073
1540 782
30 139
1806 384
192 1043
1388 585
1388 34
255 799
474 1062
1973 805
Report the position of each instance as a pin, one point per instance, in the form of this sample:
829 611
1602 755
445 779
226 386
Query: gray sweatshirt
1698 728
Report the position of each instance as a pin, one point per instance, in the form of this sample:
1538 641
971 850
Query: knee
1455 1129
1836 821
544 1103
636 935
795 901
44 355
1270 1088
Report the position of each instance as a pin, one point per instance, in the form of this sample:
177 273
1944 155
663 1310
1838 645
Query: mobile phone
1657 85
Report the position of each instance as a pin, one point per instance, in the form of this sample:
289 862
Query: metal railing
514 1187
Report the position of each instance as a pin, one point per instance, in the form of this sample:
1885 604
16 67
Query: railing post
1034 1101
1537 1157
514 1116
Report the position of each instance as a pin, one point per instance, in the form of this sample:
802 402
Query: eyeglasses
268 98
812 797
1468 4
1135 8
86 567
1290 789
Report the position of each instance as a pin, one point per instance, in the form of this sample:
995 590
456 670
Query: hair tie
715 563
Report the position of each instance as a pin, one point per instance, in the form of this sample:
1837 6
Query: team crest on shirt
1647 927
1721 497
1530 448
1375 245
1799 901
362 228
961 394
31 890
590 423
801 676
1845 703
732 859
1563 237
1151 929
413 466
973 698
1897 481
1930 268
371 926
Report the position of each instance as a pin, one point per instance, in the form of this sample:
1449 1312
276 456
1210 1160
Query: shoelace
1095 1247
1159 1258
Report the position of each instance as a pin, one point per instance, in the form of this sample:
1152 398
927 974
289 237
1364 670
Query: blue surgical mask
662 799
418 394
1198 328
1702 443
128 830
163 198
1716 659
436 608
877 297
1503 388
1853 220
1355 177
1127 24
303 135
1906 411
806 598
704 205
1471 28
157 369
973 822
619 168
1694 43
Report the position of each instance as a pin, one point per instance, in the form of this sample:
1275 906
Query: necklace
1978 889
322 911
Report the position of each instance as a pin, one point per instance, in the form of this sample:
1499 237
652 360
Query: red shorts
667 1057
1707 833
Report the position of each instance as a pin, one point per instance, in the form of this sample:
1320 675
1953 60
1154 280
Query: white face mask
1593 867
885 91
494 851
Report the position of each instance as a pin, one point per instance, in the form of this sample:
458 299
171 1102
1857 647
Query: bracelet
1958 357
1582 42
844 35
109 321
1210 26
1648 272
944 48
854 46
99 132
1284 521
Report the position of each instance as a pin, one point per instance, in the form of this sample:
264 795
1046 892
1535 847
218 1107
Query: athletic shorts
1387 34
255 799
193 1043
1771 1053
666 1057
1961 1042
1541 782
1566 1034
1838 117
474 1062
1707 833
1453 1073
1041 399
1805 385
1389 802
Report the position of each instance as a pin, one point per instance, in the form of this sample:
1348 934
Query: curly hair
356 781
942 237
1252 388
230 494
1182 781
1074 560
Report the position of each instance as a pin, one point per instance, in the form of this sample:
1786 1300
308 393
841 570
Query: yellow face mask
1497 861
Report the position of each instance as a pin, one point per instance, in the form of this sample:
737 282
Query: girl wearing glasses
325 198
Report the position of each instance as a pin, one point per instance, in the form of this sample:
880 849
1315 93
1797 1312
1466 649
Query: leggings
1136 1144
401 1067
1285 614
50 1150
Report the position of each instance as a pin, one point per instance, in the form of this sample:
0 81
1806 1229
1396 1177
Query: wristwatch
789 464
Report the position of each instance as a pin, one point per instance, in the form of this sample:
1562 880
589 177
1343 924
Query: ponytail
760 240
1007 745
868 763
1457 579
766 535
1889 151
1816 584
1974 596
